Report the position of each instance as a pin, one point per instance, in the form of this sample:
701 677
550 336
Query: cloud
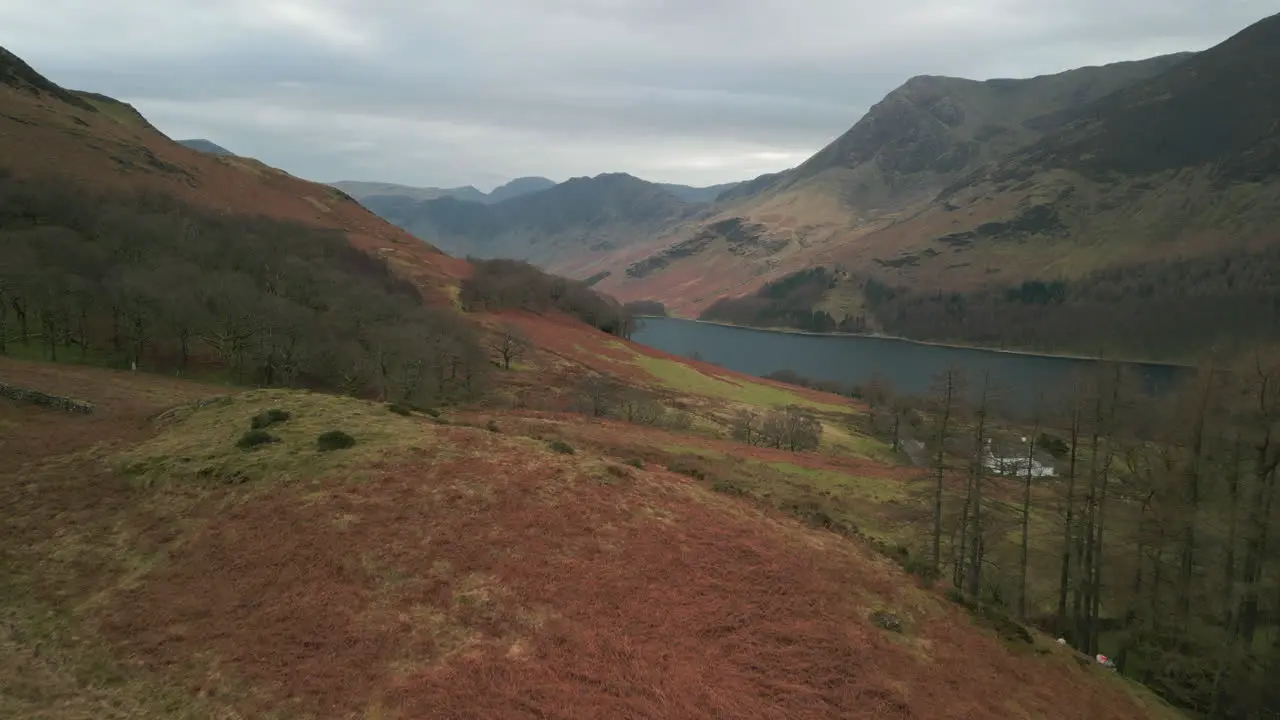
455 92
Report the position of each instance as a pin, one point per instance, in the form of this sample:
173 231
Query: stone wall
36 397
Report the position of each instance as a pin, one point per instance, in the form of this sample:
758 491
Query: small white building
1015 466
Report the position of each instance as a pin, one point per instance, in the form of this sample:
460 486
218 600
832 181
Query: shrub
635 463
492 426
255 438
685 466
1054 445
399 409
728 488
679 421
334 440
432 412
618 472
261 421
562 447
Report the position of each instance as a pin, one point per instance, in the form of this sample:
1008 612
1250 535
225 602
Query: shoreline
927 343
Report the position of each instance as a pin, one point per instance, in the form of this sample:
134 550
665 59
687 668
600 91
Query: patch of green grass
682 378
198 440
875 490
846 442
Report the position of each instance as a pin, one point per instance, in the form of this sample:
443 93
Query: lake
910 367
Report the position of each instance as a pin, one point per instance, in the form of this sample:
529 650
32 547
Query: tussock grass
199 440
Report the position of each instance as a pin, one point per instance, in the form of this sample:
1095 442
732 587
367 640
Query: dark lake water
909 367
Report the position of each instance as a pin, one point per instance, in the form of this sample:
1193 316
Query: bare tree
746 426
1028 474
511 345
599 395
792 428
948 397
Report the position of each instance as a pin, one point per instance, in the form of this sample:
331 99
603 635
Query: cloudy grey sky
455 92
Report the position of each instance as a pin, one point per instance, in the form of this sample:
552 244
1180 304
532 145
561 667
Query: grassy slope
443 570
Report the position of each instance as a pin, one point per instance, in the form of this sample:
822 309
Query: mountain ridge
1181 166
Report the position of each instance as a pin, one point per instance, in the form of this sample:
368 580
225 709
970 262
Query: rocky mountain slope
1094 178
920 138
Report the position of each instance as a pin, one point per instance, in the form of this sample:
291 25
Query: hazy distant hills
537 219
579 216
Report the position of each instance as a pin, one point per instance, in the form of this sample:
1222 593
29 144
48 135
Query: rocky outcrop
35 397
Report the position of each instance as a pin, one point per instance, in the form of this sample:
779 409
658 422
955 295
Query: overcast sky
456 92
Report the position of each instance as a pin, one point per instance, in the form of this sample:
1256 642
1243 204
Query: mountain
920 138
515 188
206 146
570 222
361 190
698 194
1096 178
518 187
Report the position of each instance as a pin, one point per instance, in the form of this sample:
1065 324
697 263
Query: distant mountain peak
206 146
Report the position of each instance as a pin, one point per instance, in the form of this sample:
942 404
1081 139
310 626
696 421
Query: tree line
1166 308
502 284
1173 307
142 280
1154 542
787 302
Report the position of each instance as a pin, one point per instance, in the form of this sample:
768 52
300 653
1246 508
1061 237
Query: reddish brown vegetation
496 580
597 609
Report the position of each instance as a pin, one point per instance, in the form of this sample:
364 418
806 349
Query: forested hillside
148 281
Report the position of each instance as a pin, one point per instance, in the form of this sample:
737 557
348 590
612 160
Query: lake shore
928 343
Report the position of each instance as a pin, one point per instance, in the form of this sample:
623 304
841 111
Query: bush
399 409
1054 445
432 412
261 421
635 463
492 426
728 488
618 472
685 466
256 438
334 440
562 447
679 421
